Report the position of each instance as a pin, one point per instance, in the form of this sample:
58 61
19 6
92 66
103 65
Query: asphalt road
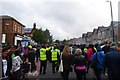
56 76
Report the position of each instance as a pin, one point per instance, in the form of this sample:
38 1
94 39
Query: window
18 28
15 27
7 24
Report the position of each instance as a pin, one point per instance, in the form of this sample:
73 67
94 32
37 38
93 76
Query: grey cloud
62 18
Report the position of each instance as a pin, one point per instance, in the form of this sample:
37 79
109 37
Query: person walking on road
80 65
67 62
112 62
55 58
90 52
99 56
31 57
106 48
43 59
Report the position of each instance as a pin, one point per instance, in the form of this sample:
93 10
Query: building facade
12 29
84 38
76 41
94 36
89 38
103 34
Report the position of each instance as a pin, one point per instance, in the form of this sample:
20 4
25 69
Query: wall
0 48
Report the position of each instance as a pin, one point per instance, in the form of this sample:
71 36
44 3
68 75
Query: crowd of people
20 62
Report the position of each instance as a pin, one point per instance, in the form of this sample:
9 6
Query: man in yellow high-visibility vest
43 59
55 57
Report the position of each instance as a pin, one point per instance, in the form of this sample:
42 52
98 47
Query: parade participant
99 56
118 47
31 57
112 62
80 65
67 62
90 52
43 59
106 47
55 57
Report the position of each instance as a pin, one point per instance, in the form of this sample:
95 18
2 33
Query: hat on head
113 45
30 47
99 48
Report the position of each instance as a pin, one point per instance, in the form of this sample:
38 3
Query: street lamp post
112 20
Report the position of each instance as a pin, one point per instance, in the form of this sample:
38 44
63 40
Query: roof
95 31
101 28
84 35
9 17
89 34
115 23
28 30
6 17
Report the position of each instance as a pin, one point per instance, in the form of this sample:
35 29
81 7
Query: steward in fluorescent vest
55 57
43 59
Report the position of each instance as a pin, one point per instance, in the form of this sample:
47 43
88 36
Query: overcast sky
64 18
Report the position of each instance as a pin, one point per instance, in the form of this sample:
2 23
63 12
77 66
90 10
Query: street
56 76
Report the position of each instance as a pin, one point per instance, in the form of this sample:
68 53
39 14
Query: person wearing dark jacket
10 57
80 65
112 62
67 62
37 54
106 48
31 57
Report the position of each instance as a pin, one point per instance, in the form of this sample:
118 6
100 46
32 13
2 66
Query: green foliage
57 41
42 37
48 37
64 42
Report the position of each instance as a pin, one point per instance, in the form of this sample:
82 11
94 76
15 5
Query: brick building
12 29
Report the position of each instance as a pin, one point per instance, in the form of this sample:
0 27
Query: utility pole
112 20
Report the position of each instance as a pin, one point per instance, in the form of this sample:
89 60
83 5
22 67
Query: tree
64 42
48 37
42 37
38 36
57 41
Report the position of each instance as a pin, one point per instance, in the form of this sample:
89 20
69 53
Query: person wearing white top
16 65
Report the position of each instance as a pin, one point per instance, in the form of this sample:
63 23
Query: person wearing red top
90 52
